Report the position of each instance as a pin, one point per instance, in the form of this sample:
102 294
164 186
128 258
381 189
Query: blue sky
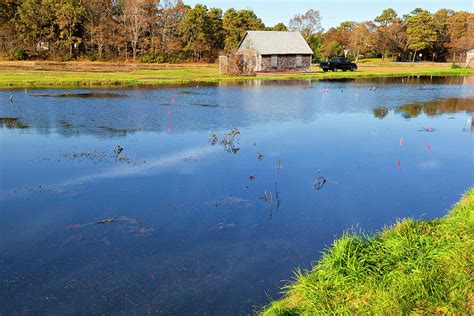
332 12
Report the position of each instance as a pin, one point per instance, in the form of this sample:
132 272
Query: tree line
171 31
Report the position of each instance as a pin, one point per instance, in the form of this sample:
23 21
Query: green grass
413 267
69 79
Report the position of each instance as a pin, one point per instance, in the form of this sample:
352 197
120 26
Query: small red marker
429 146
169 111
402 141
399 164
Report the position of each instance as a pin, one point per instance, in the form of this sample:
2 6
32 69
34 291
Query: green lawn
20 78
413 267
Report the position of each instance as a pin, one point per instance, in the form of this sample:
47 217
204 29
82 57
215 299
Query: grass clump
419 267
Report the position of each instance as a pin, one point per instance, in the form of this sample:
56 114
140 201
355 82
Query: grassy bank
421 267
70 75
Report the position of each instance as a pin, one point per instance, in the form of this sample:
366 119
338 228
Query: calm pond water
177 225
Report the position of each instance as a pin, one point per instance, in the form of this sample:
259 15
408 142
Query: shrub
19 54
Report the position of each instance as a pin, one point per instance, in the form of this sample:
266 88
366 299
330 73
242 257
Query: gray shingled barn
276 51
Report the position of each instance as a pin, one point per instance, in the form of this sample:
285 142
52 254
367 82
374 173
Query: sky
333 12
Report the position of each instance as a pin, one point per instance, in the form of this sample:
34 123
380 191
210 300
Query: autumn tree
169 16
100 27
460 31
363 39
8 9
385 22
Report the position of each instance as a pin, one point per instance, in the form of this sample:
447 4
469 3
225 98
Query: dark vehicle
338 63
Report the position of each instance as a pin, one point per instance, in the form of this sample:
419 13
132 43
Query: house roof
276 43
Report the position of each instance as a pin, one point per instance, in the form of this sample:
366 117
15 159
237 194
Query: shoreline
412 266
24 77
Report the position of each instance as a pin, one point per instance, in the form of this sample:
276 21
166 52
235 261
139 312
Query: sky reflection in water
192 226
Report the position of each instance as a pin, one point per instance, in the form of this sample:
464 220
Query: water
176 225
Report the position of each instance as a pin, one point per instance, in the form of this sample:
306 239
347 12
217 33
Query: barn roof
276 43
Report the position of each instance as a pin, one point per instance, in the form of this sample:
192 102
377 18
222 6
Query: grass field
413 267
98 74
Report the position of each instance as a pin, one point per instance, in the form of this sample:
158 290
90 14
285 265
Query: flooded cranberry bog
204 199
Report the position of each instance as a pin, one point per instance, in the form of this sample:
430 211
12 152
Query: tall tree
460 29
36 23
421 32
441 45
279 27
69 15
202 32
134 24
236 23
8 9
307 24
363 39
385 21
101 28
170 15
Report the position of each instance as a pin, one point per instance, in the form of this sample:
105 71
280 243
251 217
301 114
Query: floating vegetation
260 155
206 105
12 123
188 92
213 139
93 95
231 201
119 131
126 224
93 155
230 142
42 190
67 125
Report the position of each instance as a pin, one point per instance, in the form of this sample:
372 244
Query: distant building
275 51
470 59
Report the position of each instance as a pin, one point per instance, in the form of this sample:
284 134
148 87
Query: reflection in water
380 112
431 108
12 122
205 213
97 95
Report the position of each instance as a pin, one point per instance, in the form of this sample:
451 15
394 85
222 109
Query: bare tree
308 23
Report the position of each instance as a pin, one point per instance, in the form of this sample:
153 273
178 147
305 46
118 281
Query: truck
338 63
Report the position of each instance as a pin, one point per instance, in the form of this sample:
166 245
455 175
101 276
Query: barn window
299 60
274 61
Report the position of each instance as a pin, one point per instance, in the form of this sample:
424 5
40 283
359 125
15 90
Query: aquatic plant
229 141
